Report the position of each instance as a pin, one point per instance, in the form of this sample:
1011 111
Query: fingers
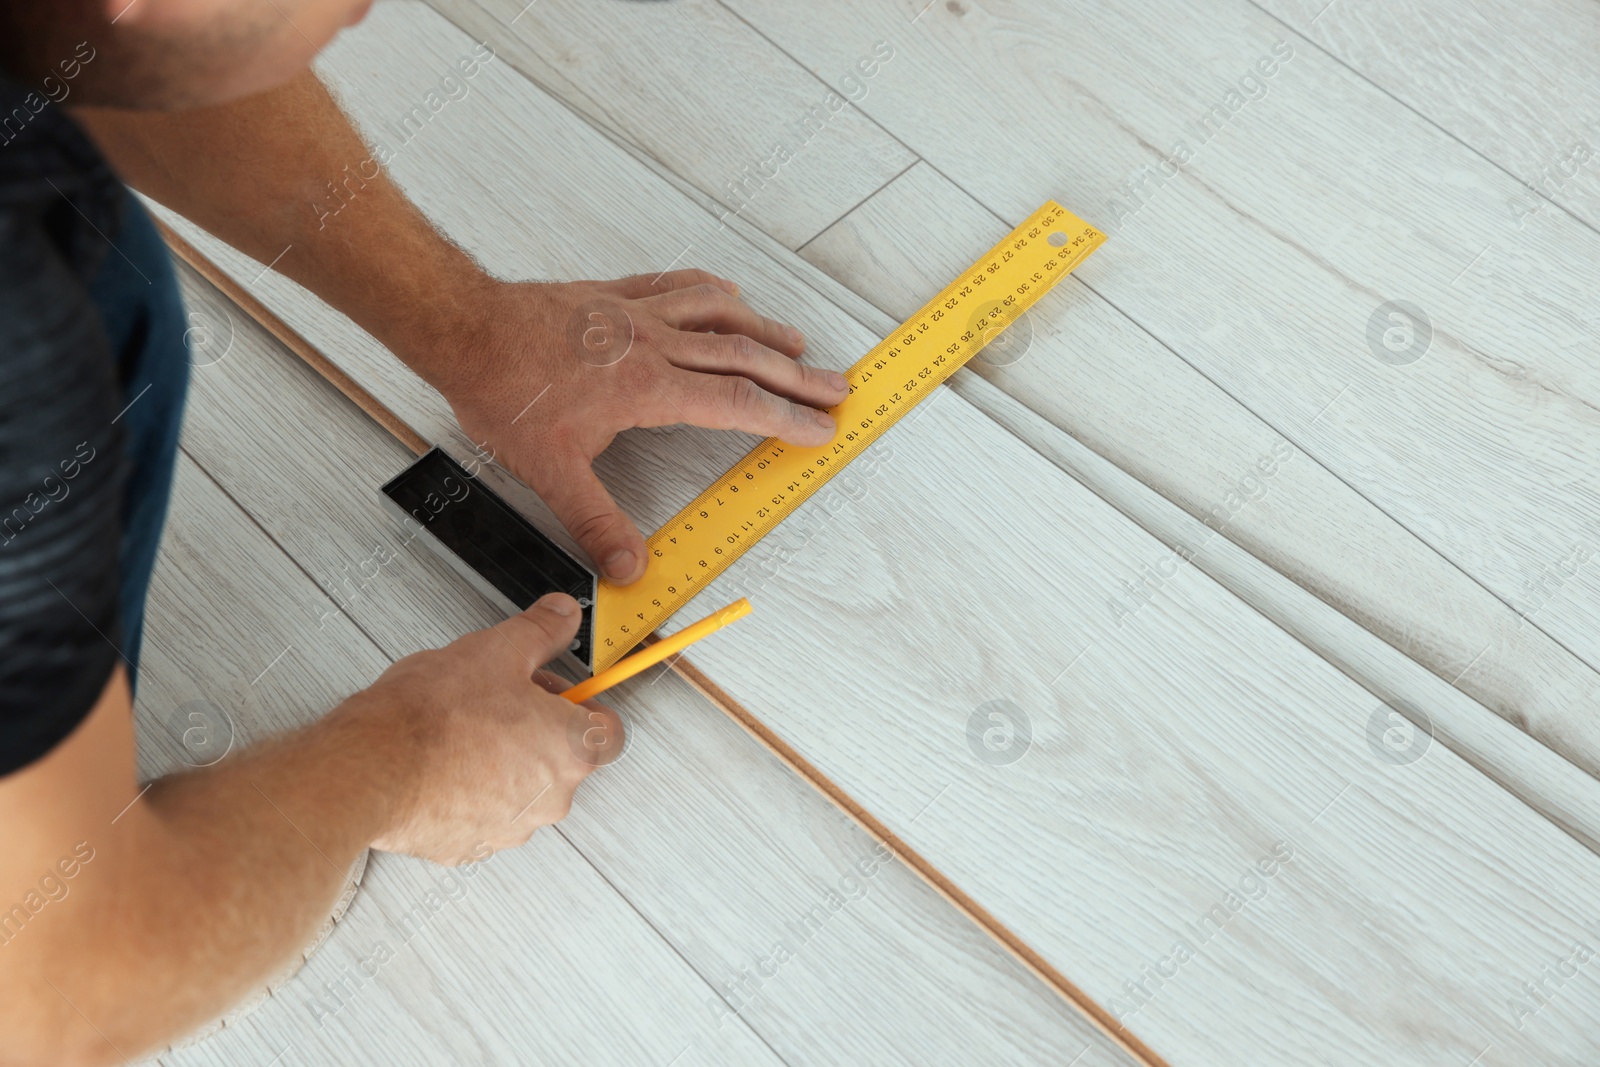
638 286
704 308
734 402
544 631
595 732
577 498
738 354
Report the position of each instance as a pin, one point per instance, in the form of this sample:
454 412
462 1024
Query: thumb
577 498
544 631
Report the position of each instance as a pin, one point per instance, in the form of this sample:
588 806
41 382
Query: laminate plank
706 834
1266 259
1108 385
697 89
1551 785
405 979
1166 760
1420 601
225 599
1511 79
206 643
916 228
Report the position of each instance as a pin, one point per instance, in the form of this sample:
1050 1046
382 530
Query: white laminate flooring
1212 823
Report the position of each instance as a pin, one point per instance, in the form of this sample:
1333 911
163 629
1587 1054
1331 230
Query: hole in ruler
1057 239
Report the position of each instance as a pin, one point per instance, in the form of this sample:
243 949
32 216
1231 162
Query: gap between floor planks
951 410
995 986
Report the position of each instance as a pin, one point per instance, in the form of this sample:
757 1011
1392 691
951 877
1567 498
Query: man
133 916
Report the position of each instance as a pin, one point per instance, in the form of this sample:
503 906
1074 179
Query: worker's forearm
204 889
284 177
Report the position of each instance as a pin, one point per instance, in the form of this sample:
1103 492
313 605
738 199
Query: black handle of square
492 539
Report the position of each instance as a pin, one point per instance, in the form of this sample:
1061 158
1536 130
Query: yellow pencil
622 671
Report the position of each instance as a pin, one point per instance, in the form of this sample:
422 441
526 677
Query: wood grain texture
1265 259
1547 782
202 644
917 228
705 834
259 313
696 88
1168 757
1108 385
1511 79
224 602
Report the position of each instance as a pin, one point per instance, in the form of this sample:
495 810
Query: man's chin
142 90
145 71
158 62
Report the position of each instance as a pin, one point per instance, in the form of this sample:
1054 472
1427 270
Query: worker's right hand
495 753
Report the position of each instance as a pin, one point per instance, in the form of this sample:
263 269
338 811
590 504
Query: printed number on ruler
766 486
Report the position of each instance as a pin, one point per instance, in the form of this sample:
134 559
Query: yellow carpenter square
657 652
766 486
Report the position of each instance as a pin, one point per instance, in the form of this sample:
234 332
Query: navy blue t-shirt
89 321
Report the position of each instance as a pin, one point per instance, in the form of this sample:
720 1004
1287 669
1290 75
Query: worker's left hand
554 370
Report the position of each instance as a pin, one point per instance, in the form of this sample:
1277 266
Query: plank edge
1035 963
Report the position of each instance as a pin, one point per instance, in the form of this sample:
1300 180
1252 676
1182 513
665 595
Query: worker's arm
131 918
544 375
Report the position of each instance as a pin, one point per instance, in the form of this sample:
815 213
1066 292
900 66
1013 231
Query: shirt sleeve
61 478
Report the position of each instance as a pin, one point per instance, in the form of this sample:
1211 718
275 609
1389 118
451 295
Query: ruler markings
692 549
